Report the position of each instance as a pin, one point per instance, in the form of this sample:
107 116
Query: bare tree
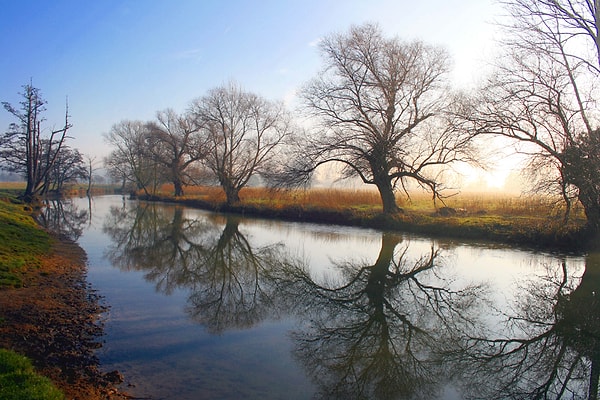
173 143
68 168
129 160
90 165
382 104
25 149
543 97
243 131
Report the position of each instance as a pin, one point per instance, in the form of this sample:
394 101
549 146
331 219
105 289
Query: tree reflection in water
551 349
155 239
63 218
384 331
223 273
232 291
399 328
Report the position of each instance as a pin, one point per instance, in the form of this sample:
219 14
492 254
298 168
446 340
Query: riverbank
48 312
535 225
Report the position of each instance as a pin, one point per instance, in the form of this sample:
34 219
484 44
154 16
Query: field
18 379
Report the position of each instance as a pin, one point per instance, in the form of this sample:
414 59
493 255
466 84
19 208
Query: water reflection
382 331
407 325
155 239
375 331
551 347
64 218
223 273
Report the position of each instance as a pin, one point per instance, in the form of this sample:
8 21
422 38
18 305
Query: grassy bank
18 380
525 220
22 243
48 313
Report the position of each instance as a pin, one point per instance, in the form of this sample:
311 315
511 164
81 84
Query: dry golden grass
469 203
498 203
12 185
329 199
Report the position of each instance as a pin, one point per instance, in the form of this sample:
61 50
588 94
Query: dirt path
55 320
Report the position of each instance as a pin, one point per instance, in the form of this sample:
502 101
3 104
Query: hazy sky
124 59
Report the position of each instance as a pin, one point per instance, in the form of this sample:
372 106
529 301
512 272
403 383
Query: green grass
22 242
18 380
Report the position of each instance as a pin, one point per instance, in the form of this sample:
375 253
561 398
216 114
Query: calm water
207 306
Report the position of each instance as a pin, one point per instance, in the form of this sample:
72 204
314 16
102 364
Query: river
211 306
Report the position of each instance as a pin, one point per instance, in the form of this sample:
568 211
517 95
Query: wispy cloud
192 54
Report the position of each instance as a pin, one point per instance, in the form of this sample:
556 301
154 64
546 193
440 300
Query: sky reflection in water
209 306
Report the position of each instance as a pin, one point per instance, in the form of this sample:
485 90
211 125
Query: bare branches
544 96
382 105
564 25
243 130
128 162
173 141
24 148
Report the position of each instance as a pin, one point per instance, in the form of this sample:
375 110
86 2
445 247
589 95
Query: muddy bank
55 319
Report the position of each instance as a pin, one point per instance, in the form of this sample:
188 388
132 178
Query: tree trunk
591 205
28 194
178 187
594 380
388 199
375 288
88 191
177 178
232 194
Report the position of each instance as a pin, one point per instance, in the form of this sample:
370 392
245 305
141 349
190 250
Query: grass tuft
18 380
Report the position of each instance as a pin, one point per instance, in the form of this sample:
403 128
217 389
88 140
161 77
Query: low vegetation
526 220
21 245
21 240
18 380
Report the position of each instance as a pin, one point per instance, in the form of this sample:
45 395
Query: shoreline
55 320
534 236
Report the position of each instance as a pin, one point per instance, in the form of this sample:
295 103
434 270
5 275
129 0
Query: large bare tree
383 111
24 147
174 143
243 132
544 97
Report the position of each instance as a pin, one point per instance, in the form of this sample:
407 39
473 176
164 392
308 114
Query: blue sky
124 59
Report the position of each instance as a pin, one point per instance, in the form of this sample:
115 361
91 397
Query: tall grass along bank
532 221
